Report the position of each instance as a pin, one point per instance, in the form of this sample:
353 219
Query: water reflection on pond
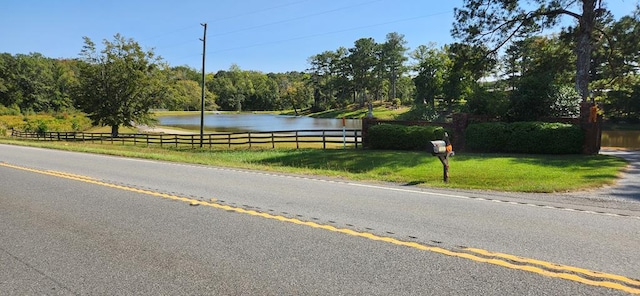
257 122
625 139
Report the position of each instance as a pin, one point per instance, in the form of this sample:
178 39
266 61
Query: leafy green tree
34 82
184 90
298 94
449 74
542 69
496 22
186 73
466 65
488 100
392 59
186 95
362 60
329 77
7 63
231 88
616 85
622 39
431 69
265 92
66 80
120 83
405 90
341 83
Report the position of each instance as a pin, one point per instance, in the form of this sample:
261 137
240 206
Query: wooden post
591 124
324 142
355 137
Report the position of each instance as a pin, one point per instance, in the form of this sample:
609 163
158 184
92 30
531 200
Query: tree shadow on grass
348 161
413 183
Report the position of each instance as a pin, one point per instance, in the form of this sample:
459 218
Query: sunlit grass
524 173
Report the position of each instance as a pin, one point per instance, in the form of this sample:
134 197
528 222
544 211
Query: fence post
273 141
355 137
297 143
324 142
229 140
249 134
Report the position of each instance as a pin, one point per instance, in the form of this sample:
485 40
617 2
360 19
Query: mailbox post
443 150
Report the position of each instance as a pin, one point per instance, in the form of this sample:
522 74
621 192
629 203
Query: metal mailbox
438 147
443 150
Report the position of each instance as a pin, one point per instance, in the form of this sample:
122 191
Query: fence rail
325 138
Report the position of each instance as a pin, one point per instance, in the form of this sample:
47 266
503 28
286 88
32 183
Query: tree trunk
584 48
316 98
114 131
393 84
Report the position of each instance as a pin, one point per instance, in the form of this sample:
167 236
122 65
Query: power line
225 18
296 18
257 11
328 33
317 35
164 47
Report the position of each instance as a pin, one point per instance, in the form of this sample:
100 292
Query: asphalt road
82 224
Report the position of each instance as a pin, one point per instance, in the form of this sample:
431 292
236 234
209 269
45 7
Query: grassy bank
523 173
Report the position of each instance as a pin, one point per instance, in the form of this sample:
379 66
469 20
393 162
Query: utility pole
204 51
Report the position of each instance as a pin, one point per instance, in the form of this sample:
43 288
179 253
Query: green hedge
401 137
524 137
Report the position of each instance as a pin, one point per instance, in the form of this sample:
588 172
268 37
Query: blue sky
267 36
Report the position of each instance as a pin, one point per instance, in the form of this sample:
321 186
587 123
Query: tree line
530 76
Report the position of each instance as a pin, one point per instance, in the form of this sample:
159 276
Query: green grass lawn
522 173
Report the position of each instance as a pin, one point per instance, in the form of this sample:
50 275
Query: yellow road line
555 266
602 278
72 175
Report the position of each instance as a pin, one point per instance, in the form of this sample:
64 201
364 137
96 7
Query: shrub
525 137
400 137
420 112
45 123
11 110
565 101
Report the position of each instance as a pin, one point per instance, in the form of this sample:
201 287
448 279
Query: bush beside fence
403 137
525 137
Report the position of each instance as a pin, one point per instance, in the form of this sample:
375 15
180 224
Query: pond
256 122
625 139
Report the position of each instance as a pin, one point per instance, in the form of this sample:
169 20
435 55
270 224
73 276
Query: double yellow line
544 268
